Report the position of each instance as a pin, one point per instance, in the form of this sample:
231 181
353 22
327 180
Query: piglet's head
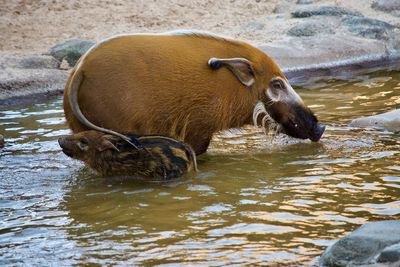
85 145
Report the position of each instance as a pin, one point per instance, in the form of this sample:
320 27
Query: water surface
256 200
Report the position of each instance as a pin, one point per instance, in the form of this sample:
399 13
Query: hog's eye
83 144
277 84
84 141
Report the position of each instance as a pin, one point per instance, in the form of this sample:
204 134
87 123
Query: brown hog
186 85
156 157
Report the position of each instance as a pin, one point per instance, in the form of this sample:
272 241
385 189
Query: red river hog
186 85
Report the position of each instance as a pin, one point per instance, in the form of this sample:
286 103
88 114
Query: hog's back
155 84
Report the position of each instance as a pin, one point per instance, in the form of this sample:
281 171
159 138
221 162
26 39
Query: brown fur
161 84
160 158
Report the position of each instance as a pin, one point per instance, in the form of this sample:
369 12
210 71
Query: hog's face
278 100
285 107
85 145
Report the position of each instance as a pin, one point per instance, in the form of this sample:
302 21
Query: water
254 201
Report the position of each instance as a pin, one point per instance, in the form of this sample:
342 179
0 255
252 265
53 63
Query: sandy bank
324 35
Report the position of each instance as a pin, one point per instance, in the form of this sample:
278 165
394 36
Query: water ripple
257 200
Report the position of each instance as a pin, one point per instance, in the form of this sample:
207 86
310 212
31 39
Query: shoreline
306 38
369 63
30 93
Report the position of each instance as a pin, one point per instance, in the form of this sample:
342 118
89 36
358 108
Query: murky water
254 201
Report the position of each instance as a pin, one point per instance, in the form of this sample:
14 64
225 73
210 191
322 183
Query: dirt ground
33 26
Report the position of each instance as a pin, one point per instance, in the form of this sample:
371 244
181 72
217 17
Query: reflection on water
255 200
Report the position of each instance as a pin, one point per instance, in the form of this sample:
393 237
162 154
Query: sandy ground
29 28
33 26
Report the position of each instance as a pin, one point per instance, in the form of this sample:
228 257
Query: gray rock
367 27
363 245
28 82
309 11
281 8
30 75
254 26
390 254
386 5
29 62
39 62
309 29
304 2
389 121
70 50
316 53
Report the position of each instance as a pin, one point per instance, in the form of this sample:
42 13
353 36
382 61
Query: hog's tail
73 92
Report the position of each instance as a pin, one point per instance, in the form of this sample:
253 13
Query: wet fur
160 158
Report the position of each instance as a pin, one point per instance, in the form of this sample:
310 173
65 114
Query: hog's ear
107 145
240 67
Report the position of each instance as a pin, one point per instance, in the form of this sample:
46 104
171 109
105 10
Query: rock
30 75
39 62
386 5
70 50
2 142
390 254
389 6
309 11
64 65
16 82
367 27
309 29
363 245
280 8
29 62
389 121
304 2
254 26
296 54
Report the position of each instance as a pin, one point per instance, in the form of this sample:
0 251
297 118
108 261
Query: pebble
254 26
309 29
386 5
309 11
367 27
305 2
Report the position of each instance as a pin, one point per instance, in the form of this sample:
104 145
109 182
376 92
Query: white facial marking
285 93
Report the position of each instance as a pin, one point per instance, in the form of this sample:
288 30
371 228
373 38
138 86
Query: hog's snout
318 131
61 142
66 146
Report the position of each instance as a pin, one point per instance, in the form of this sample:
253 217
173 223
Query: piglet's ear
240 67
107 145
